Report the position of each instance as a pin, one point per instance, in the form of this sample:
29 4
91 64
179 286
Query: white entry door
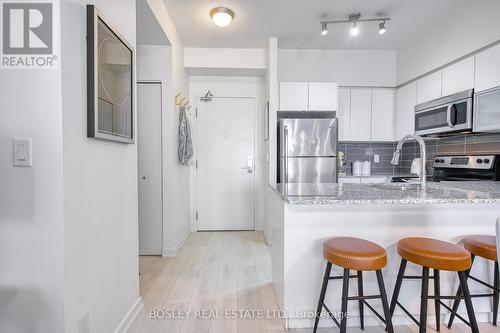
149 168
225 173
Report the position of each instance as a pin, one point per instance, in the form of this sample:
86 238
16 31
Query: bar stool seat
482 246
434 254
354 253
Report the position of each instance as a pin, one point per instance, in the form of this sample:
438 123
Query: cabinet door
323 96
458 77
487 111
344 114
383 114
488 69
294 96
429 87
361 109
406 98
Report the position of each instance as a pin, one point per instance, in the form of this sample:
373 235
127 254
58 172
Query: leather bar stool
358 255
438 256
484 247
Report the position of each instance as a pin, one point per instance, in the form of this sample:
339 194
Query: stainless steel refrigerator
307 147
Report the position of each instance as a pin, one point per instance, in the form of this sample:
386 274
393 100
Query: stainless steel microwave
445 115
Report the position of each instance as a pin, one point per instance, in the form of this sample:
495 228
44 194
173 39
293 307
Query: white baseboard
172 252
130 316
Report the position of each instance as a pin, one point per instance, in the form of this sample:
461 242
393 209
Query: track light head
381 28
324 29
354 30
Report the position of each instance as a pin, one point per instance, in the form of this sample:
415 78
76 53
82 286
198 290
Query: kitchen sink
398 186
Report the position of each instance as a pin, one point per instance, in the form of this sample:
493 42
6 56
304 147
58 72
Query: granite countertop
391 193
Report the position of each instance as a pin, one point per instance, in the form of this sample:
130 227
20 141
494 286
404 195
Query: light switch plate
376 158
21 152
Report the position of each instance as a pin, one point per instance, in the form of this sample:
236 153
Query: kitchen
250 166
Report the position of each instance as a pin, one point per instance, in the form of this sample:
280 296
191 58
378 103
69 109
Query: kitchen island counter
389 193
303 216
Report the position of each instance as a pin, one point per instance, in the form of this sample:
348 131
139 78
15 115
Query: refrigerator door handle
285 153
333 136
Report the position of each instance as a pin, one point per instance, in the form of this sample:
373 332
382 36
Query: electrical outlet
84 323
376 158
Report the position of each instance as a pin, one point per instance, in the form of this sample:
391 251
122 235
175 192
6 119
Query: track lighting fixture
355 18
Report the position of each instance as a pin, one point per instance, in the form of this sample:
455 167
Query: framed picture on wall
266 122
110 81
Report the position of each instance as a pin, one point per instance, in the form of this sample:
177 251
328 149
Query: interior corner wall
176 176
469 26
31 203
100 188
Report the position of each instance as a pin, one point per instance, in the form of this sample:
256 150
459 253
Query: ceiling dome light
222 16
354 30
324 29
382 29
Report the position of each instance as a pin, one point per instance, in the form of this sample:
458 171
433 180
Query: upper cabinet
294 96
361 107
323 96
308 96
344 114
382 115
488 69
406 98
458 77
429 87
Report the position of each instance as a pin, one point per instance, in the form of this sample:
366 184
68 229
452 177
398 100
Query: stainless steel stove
466 167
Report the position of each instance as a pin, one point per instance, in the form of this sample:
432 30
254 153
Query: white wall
100 189
176 176
237 87
466 28
347 67
31 204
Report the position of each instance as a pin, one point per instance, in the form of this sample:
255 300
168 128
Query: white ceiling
296 22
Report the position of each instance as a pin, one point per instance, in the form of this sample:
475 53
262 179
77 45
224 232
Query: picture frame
110 81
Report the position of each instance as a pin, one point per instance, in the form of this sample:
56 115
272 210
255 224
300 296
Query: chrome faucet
422 177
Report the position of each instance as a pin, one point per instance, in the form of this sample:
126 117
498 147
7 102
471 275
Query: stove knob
486 160
441 161
436 160
479 161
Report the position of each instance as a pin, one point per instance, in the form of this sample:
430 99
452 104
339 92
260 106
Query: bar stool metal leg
423 300
361 304
437 292
326 278
456 303
345 295
468 302
385 304
397 288
496 284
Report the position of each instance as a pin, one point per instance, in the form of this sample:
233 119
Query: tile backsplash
458 144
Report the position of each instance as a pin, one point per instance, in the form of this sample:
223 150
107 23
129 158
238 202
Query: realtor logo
28 34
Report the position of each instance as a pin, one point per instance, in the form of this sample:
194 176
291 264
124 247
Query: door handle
448 115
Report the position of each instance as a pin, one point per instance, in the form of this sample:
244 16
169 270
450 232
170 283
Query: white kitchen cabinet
429 87
294 96
361 104
323 96
488 69
458 77
344 114
406 98
382 115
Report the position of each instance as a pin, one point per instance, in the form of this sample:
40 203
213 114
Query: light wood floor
150 268
217 271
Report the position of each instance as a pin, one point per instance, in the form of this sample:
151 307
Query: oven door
447 118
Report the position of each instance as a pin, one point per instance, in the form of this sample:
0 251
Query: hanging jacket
185 147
